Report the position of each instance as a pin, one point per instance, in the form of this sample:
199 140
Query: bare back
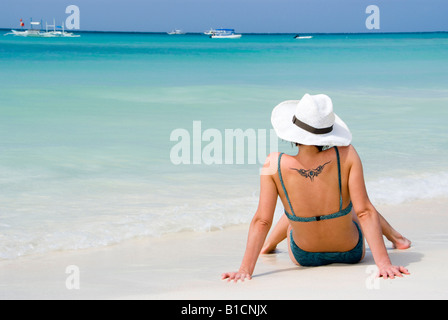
312 184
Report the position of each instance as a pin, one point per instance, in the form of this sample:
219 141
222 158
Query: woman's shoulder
349 155
275 157
348 151
270 165
272 162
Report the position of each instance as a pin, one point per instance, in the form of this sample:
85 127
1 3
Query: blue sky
294 16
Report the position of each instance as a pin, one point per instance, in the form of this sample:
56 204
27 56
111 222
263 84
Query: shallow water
86 156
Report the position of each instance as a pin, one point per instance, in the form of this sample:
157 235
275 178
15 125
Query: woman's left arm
370 220
259 227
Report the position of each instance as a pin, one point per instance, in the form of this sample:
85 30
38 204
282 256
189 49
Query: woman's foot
267 249
400 242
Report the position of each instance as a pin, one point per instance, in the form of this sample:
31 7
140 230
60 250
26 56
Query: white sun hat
310 121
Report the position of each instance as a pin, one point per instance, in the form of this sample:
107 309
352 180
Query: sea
116 136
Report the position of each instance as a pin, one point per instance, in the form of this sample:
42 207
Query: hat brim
285 129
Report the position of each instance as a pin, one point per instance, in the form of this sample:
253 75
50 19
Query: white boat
34 32
303 37
176 32
28 33
57 33
209 32
225 34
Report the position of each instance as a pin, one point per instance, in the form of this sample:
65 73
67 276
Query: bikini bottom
315 259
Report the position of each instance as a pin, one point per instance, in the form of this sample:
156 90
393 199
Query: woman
327 209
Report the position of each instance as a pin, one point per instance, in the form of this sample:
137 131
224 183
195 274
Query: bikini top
340 213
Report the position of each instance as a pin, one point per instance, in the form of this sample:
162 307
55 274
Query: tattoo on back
312 173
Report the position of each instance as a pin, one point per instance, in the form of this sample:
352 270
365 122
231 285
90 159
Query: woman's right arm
369 219
261 222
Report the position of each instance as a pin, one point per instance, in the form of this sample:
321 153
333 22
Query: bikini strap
339 176
283 185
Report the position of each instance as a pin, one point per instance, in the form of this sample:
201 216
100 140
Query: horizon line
248 33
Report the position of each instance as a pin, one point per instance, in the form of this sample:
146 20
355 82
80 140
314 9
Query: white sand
189 265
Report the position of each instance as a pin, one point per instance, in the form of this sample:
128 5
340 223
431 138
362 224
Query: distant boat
35 31
302 37
176 32
32 32
209 32
57 33
225 34
26 33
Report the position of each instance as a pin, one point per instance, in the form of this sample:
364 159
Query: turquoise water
85 154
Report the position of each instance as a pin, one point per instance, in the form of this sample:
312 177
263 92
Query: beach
187 266
130 162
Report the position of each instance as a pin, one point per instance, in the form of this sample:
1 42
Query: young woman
327 210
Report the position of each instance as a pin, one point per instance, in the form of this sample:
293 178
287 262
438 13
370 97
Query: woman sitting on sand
327 209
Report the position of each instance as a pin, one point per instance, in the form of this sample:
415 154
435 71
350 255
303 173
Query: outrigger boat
32 32
57 33
35 31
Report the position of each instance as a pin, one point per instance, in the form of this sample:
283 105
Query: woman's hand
390 271
236 276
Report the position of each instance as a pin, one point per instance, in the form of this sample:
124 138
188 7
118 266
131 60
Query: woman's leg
398 241
278 234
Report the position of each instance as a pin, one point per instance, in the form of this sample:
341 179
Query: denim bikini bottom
314 259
